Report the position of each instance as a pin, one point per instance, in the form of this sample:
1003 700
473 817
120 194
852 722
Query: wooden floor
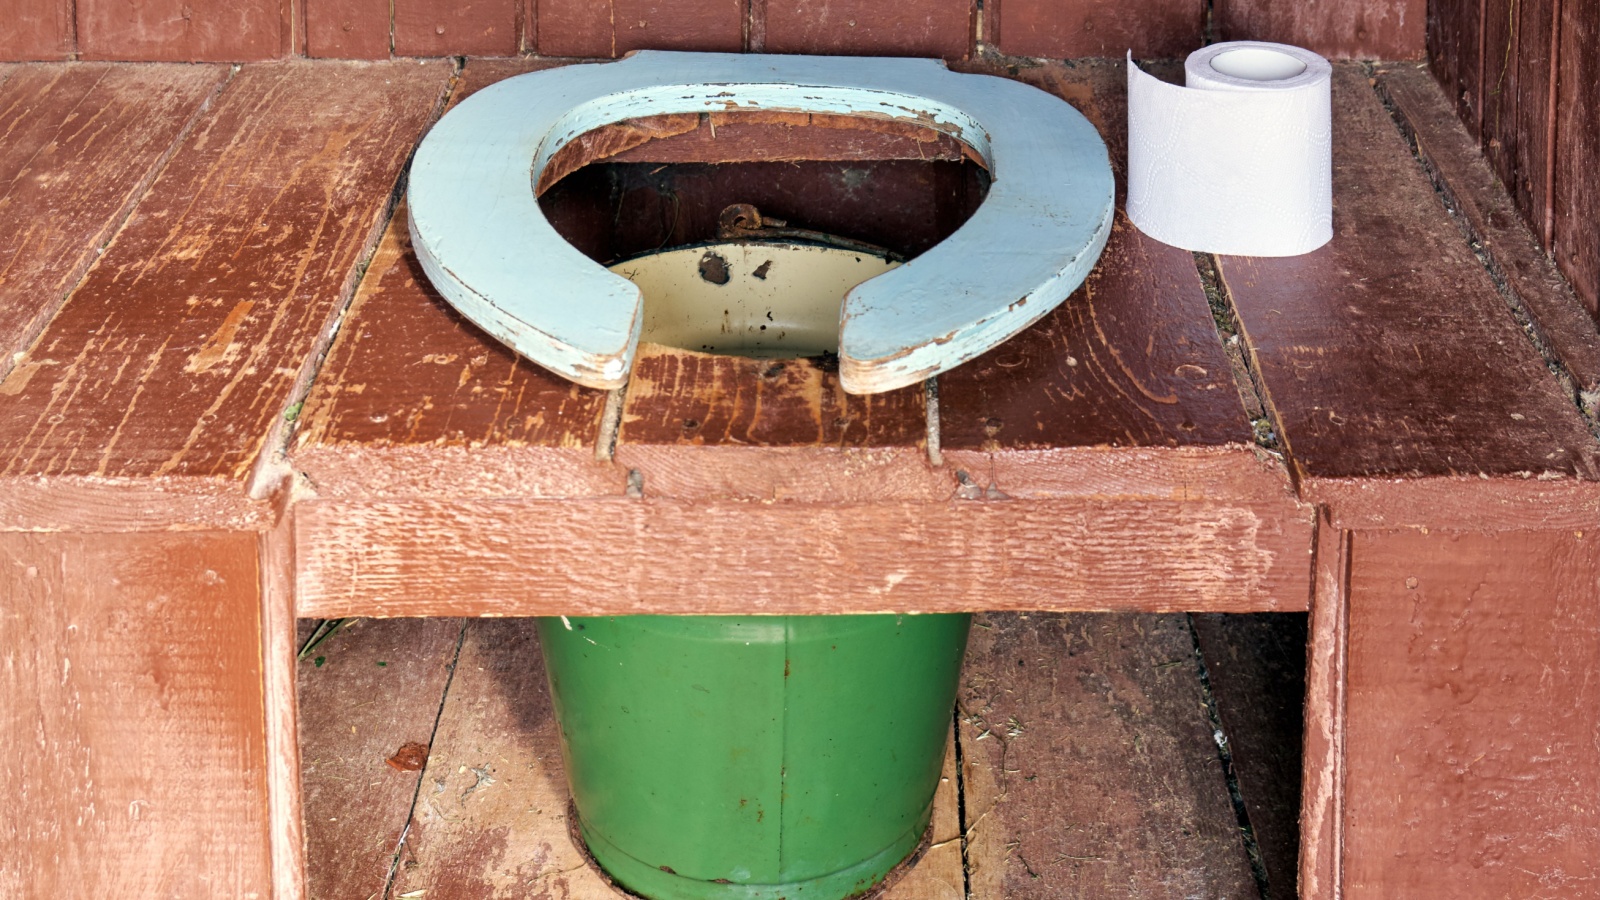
1096 756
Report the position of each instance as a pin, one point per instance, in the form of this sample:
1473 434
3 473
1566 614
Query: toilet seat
485 244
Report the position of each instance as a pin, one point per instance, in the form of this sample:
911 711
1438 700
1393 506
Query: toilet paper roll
1240 160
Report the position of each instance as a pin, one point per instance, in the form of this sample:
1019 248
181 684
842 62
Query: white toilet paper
1240 161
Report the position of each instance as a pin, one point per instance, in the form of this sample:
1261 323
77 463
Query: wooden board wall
1525 78
175 30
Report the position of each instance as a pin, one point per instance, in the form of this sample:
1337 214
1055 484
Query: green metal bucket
758 758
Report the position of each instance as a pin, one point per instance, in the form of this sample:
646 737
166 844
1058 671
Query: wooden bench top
213 317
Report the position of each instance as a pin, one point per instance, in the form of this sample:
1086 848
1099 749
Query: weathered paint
487 247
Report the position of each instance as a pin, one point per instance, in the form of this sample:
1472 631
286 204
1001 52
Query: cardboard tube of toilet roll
1240 159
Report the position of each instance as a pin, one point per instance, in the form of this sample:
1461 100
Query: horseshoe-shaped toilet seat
480 235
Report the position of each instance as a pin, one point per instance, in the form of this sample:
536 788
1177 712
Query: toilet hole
646 196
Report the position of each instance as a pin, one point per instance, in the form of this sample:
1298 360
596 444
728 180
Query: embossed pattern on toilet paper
1240 160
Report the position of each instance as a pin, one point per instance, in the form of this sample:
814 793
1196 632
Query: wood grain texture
1322 783
134 759
1257 670
697 425
1472 715
1088 763
1498 116
37 30
372 688
1369 29
183 346
536 557
611 28
177 31
481 27
285 814
1388 352
865 28
1131 361
79 147
1045 28
348 29
1576 242
1558 318
1455 28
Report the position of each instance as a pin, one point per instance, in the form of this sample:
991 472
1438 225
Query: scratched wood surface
79 147
1043 28
1088 763
175 31
1413 368
37 31
1472 715
367 695
862 27
1256 668
1575 242
478 27
462 557
180 352
1453 28
1367 29
134 759
1512 251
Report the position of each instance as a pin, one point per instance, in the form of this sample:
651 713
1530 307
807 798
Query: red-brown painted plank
601 28
1364 29
1459 170
178 31
1054 30
432 28
36 30
79 146
941 28
1455 28
1089 764
374 687
347 29
1388 352
183 346
466 416
1497 117
134 760
1472 767
1576 241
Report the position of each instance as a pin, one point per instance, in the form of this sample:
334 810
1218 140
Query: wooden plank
176 31
1498 116
37 31
1099 28
470 417
226 286
1576 243
1513 253
1535 122
729 557
1257 669
1472 768
1371 29
372 689
611 28
134 761
865 28
1088 763
1131 361
348 29
1388 353
1323 769
81 145
285 813
1455 29
701 425
431 28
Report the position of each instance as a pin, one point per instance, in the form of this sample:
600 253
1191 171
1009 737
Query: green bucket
753 757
